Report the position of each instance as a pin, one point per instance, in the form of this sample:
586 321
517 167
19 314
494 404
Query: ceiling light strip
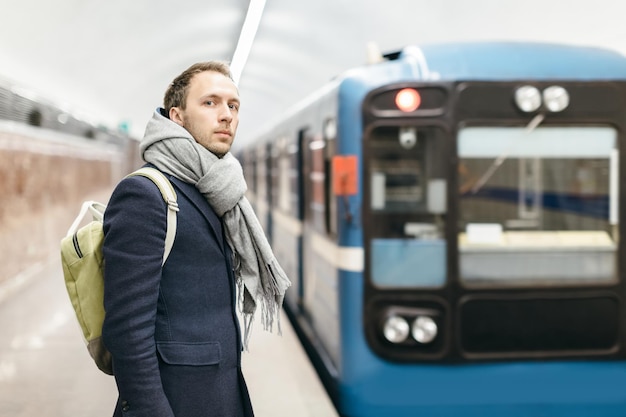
246 38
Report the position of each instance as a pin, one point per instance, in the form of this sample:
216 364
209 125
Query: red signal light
408 99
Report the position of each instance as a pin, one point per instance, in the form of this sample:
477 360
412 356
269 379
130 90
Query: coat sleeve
135 224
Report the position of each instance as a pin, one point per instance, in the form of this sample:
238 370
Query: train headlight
528 98
424 329
396 329
555 98
408 100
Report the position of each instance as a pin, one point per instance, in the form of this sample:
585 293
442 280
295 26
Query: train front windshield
537 206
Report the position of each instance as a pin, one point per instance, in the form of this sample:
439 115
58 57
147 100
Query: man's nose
226 114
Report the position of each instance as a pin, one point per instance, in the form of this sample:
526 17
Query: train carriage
450 219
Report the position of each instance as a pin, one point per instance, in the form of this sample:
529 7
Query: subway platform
45 370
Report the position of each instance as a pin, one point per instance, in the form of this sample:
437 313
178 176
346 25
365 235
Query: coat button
125 406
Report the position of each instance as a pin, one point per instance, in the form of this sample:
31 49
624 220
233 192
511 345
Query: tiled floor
45 370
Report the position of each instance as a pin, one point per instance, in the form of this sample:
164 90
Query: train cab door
406 213
406 233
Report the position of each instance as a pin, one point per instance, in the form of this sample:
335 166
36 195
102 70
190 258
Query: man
172 330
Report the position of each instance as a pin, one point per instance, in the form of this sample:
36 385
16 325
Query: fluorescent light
246 38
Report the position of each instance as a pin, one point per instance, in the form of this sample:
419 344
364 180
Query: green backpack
81 257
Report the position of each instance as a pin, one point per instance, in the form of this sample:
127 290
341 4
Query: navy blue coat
172 331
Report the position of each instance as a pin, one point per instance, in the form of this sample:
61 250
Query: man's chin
218 149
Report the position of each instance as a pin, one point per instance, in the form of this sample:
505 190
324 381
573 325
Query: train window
396 185
284 178
253 174
248 172
331 202
261 178
317 182
404 172
537 207
406 199
273 161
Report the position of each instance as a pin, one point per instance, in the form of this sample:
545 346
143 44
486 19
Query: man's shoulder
135 189
133 182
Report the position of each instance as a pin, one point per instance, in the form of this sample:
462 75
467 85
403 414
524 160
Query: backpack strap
96 209
169 195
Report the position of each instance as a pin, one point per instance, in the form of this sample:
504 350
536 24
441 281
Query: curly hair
176 93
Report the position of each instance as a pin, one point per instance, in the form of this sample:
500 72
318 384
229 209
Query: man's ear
175 116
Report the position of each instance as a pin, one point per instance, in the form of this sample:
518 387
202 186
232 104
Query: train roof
473 61
513 60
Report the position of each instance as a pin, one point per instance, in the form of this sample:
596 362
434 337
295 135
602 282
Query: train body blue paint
450 220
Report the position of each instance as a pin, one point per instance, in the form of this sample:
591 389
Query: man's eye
209 102
234 106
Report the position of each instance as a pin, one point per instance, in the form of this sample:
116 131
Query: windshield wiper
500 159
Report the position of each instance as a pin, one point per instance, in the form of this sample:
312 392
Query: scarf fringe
271 300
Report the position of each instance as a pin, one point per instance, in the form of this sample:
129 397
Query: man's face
211 114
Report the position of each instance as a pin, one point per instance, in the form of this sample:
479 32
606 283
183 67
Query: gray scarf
259 277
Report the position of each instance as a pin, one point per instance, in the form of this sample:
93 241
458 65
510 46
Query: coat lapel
198 200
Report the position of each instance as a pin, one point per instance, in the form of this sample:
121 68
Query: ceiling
112 60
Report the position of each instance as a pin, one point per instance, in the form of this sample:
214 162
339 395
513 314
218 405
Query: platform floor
45 370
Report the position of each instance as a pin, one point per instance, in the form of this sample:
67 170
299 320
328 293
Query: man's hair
176 93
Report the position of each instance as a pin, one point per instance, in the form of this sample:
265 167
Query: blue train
450 218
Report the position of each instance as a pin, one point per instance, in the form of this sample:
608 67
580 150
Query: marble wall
43 183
